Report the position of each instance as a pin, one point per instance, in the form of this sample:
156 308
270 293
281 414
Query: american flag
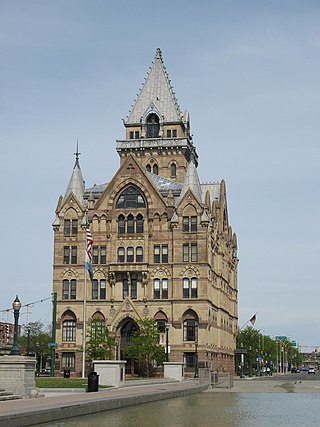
88 262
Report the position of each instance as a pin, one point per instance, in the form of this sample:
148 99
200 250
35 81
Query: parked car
311 371
295 370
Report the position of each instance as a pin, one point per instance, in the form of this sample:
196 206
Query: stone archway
125 330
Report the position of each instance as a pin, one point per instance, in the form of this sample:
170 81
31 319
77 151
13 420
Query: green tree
100 345
39 339
145 347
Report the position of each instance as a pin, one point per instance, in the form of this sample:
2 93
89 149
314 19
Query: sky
248 73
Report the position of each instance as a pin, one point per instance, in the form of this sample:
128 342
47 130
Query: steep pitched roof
191 181
156 94
76 183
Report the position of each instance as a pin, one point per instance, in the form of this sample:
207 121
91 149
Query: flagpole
84 324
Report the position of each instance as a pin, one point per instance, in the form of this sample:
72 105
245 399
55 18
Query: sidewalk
28 412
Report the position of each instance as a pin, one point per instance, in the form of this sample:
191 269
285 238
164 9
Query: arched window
173 170
153 126
130 254
155 169
190 288
69 328
139 254
139 224
148 167
121 225
130 198
121 254
130 224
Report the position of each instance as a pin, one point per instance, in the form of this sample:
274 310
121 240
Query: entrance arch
126 329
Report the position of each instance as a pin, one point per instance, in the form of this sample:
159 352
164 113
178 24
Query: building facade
163 247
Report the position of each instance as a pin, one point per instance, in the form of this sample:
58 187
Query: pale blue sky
248 73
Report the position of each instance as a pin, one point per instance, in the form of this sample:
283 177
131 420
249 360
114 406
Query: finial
77 154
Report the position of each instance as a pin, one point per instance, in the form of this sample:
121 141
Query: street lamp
28 340
16 305
196 359
242 361
250 361
167 343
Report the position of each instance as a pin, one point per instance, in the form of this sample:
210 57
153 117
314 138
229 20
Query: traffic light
7 330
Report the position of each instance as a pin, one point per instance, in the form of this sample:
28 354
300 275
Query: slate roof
157 94
76 184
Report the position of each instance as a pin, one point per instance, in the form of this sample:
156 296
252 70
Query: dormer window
153 126
130 198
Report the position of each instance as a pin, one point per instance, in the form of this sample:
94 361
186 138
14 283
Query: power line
30 304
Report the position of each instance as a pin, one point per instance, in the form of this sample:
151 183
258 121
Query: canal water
211 409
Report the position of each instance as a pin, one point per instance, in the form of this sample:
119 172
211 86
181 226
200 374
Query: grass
53 382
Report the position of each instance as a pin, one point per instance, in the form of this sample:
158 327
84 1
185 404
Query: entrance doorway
128 327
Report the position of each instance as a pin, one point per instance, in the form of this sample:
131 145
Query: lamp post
241 361
250 361
28 340
16 305
167 343
196 359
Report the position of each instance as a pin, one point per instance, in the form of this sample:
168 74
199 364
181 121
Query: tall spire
157 94
191 180
76 183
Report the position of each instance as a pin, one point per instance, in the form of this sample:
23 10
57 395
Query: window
95 285
65 289
185 253
103 255
160 254
155 169
131 135
133 288
139 254
130 198
148 167
129 288
130 224
74 227
190 288
69 289
190 330
160 289
161 324
168 133
194 252
130 254
156 289
95 255
174 133
173 170
121 225
153 126
189 224
125 288
156 254
69 328
66 255
68 361
165 254
103 291
139 223
121 254
67 227
73 289
190 252
73 255
189 360
136 134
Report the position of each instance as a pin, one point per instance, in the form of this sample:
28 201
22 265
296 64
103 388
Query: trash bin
66 373
93 382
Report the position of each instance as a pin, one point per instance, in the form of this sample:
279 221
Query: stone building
163 246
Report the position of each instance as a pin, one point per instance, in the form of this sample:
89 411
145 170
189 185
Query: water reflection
210 409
